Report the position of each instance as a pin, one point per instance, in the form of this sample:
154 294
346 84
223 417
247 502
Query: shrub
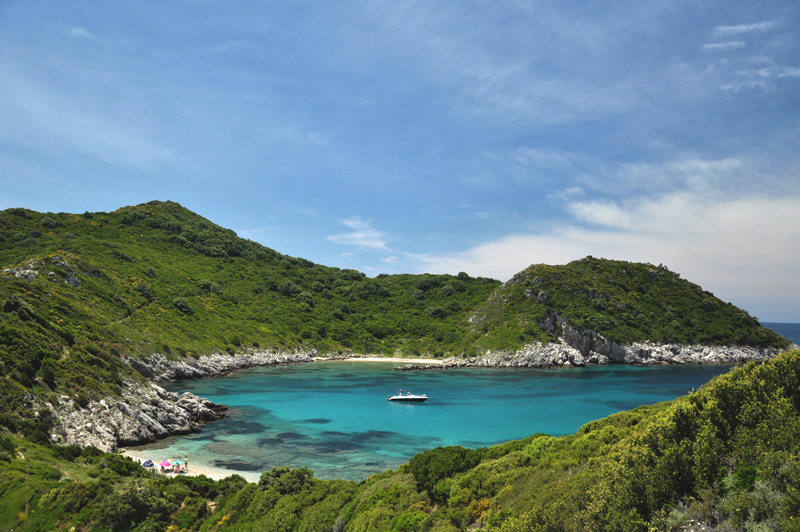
150 271
436 312
430 467
305 297
49 222
14 303
183 305
289 289
82 400
286 480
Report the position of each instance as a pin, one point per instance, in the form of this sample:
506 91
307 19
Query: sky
412 136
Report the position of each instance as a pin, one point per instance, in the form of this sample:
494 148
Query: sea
334 417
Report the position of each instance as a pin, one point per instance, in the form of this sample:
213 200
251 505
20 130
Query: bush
436 312
14 303
82 400
305 297
289 289
286 480
430 467
183 305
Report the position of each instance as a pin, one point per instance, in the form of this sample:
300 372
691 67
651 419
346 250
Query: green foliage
623 301
285 480
152 275
432 466
726 457
183 305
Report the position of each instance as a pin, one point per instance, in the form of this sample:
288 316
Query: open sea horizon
790 331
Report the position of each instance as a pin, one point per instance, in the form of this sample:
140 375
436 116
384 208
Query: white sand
386 359
210 472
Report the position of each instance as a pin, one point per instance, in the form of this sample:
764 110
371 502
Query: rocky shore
580 347
146 412
566 356
157 367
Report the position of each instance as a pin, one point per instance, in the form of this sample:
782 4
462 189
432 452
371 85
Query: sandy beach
194 470
384 359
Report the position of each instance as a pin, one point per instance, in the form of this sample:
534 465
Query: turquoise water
334 417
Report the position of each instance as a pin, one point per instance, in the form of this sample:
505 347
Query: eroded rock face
157 367
147 412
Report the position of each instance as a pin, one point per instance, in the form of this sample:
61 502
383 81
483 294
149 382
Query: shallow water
334 417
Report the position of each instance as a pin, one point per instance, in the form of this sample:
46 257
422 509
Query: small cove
334 417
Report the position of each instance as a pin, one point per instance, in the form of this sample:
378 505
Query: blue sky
413 136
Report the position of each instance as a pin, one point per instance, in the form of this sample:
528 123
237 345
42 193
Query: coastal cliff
145 412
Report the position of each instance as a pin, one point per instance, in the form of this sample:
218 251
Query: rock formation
146 412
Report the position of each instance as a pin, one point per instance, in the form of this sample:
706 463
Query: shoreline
393 360
194 470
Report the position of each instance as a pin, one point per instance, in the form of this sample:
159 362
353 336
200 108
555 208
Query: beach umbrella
166 463
179 462
148 463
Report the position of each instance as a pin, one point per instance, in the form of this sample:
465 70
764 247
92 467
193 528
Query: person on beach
186 463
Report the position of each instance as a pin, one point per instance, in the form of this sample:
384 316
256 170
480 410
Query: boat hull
409 399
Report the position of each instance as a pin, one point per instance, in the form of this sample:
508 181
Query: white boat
407 397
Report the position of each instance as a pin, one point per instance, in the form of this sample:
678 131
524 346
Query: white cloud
745 28
80 32
730 45
761 78
363 235
744 250
601 213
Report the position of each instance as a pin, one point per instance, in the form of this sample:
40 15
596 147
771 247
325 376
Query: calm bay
334 417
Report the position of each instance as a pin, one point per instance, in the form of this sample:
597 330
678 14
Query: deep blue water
790 331
334 417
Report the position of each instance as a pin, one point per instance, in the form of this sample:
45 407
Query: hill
724 458
82 293
625 302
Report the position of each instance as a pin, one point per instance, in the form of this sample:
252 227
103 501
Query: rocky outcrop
157 367
564 355
144 413
579 347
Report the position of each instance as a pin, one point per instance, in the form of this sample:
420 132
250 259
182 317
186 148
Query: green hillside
80 292
624 301
724 458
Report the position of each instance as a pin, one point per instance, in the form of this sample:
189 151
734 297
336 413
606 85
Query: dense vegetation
79 293
726 457
625 302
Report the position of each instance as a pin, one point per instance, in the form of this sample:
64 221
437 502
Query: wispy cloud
761 78
745 28
363 235
77 31
45 118
730 45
